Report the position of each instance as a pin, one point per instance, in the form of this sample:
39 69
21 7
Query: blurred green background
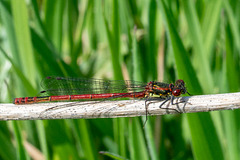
197 41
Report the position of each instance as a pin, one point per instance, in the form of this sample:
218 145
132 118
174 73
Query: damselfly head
179 88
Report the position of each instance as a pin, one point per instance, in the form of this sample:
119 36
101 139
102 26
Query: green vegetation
197 41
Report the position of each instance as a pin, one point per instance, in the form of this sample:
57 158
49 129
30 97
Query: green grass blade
8 22
205 141
137 146
230 124
21 153
20 17
112 155
54 21
150 140
137 61
119 136
210 26
201 61
114 41
152 45
42 138
117 70
81 128
231 64
7 148
233 24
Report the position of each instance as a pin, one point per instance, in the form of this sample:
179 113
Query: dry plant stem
114 109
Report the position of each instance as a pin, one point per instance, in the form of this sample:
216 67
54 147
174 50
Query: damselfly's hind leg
148 98
146 107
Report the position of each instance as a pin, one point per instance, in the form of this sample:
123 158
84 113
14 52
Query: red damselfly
69 89
72 89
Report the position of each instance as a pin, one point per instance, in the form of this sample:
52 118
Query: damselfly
70 89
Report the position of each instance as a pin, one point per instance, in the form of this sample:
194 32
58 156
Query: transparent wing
72 86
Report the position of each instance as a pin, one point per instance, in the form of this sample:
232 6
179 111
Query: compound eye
176 92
